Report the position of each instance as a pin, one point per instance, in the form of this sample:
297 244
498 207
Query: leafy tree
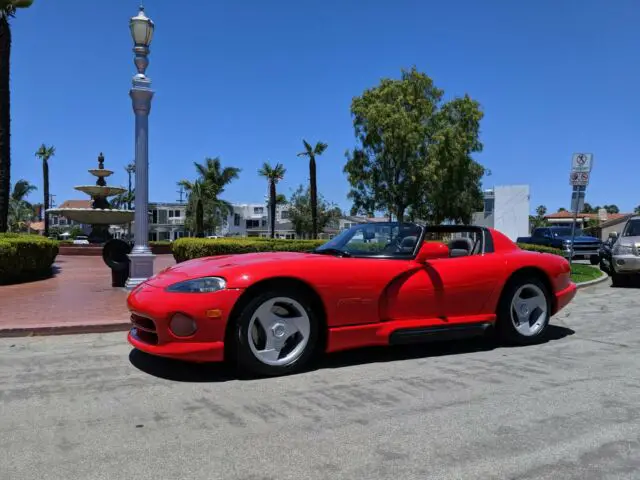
538 220
311 153
7 9
562 209
300 212
611 208
588 208
414 151
20 211
44 153
637 210
205 208
273 176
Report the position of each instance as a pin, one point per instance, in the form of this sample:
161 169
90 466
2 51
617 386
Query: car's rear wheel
524 311
276 333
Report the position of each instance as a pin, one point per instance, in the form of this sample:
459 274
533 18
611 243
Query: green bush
189 248
539 248
25 257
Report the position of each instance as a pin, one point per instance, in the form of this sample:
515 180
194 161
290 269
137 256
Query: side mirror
613 235
431 251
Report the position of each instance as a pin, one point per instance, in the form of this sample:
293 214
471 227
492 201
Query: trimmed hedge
539 248
189 248
25 257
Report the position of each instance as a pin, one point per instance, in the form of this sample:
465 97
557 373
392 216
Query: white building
506 208
252 220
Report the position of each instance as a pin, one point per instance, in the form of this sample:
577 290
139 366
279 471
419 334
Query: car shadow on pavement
179 371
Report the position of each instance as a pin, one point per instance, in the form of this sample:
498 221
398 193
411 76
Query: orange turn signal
215 313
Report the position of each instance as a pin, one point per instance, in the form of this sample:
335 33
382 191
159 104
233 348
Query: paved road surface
82 407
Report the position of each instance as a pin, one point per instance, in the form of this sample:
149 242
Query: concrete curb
601 279
63 329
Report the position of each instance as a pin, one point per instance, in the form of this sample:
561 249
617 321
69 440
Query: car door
542 236
446 288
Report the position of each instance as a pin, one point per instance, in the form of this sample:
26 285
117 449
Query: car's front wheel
524 311
276 333
594 259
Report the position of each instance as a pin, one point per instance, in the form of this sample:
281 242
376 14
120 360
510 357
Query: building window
154 216
252 223
264 223
284 214
488 205
258 210
236 219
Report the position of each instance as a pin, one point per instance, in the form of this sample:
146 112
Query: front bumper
564 297
582 253
152 309
626 264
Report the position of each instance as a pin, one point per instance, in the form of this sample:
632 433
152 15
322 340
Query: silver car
625 253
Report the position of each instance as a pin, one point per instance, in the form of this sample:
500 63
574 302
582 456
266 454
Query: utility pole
181 193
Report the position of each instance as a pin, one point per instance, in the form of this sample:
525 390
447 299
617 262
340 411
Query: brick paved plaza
80 294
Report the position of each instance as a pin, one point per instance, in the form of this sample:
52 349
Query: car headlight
622 250
198 285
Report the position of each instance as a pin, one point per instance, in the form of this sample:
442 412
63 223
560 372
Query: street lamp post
141 94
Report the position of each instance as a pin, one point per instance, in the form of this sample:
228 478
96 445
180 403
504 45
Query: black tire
505 324
594 259
618 280
247 361
604 267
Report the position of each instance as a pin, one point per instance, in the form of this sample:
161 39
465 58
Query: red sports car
373 284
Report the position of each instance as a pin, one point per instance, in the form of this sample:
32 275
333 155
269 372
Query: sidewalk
78 299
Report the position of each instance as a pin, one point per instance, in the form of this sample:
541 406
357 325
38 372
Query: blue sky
248 80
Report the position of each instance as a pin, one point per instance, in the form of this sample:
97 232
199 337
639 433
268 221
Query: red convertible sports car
373 284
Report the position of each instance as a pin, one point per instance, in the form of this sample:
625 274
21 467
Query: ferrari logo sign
579 179
582 162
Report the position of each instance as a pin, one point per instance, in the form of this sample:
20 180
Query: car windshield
565 232
389 239
632 228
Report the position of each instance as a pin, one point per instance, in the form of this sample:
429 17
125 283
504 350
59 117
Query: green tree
562 209
588 208
205 208
414 151
539 219
311 152
611 208
637 210
7 10
44 153
273 176
20 211
300 212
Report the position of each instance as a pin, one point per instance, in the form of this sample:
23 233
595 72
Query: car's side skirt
404 331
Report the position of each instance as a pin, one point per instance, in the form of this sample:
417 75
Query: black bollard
114 254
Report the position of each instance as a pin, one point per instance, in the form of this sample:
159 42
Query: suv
625 253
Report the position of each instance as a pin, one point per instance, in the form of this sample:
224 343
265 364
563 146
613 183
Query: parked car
81 240
584 246
625 253
373 284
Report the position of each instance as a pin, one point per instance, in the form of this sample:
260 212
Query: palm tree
213 179
273 176
130 169
20 211
7 9
44 153
311 153
197 197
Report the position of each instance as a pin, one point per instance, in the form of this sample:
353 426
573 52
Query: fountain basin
95 216
101 172
99 191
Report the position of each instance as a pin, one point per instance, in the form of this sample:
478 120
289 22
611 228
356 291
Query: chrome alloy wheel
279 331
529 310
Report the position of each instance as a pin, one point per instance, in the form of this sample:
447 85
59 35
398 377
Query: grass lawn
584 273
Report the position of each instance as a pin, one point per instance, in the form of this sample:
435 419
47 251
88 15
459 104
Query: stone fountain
101 215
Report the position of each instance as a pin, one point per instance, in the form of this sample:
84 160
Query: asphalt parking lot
89 407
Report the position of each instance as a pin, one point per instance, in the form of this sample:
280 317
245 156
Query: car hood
582 238
628 241
223 265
